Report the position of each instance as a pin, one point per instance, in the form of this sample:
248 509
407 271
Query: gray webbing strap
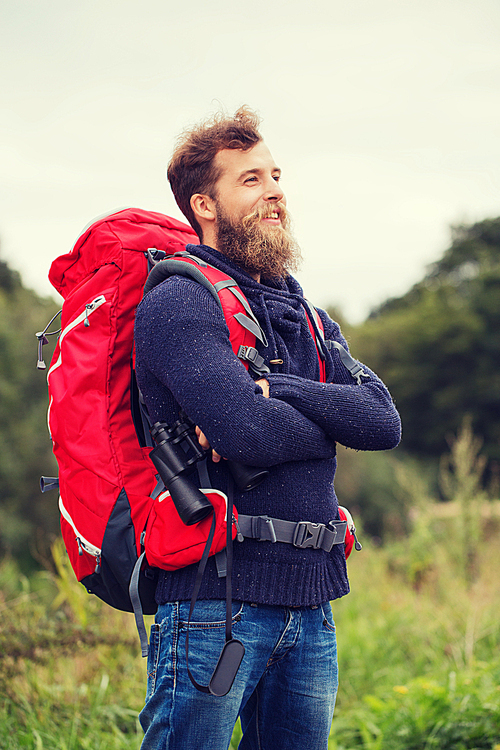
197 260
133 591
221 563
133 588
319 335
349 363
256 362
250 325
49 483
224 284
301 534
160 487
243 300
354 367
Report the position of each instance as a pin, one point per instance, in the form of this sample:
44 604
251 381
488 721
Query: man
228 186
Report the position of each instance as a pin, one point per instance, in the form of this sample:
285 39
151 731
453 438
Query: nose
273 192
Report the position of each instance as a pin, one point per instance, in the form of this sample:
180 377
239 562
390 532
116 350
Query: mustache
265 212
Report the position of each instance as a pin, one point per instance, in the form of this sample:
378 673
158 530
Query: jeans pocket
328 621
209 614
206 635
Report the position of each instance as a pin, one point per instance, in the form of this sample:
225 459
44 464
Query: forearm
266 434
357 416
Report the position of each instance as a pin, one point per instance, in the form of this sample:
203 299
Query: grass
65 685
419 655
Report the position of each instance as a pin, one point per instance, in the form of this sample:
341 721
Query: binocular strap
233 650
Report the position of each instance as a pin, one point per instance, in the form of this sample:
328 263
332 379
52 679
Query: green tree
438 346
28 519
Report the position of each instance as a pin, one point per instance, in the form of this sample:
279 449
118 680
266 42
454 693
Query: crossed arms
182 339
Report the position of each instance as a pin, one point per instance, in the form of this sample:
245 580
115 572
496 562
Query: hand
206 445
264 385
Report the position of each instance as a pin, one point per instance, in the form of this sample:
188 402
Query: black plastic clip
308 534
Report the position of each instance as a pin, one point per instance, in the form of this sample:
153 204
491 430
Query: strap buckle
263 529
256 361
308 534
248 352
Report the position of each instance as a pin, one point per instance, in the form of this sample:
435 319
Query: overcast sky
383 114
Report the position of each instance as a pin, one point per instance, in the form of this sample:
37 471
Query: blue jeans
284 692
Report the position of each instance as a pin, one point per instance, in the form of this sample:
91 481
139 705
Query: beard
270 251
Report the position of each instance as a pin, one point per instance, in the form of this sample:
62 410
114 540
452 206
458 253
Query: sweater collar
280 286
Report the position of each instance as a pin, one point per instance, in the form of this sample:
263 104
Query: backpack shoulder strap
318 334
349 363
244 328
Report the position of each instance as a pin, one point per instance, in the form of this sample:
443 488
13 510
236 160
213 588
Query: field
419 643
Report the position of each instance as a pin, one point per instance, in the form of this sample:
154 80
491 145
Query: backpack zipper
82 543
83 317
352 528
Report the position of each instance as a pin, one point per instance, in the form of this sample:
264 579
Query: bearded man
228 186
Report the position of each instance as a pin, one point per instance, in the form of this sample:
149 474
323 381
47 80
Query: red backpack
106 479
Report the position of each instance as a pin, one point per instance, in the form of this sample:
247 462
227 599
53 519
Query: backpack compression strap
318 334
244 328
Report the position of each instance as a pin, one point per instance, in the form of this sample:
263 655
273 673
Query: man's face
248 180
252 222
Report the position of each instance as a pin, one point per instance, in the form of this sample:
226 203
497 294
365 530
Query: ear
203 208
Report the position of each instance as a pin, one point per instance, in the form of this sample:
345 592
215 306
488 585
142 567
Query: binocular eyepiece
175 457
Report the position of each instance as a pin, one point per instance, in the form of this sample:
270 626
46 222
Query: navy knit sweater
184 358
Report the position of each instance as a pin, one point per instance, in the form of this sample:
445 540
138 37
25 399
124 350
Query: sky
384 116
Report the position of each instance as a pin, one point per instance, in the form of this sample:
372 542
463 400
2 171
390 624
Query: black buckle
263 529
248 352
308 534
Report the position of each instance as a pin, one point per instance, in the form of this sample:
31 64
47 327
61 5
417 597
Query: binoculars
175 457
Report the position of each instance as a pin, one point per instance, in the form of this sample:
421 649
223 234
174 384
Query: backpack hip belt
302 534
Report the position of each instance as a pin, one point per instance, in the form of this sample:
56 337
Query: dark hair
192 169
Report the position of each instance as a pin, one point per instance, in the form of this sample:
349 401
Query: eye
251 179
276 177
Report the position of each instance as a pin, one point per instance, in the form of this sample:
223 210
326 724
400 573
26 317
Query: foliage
419 667
438 347
419 636
366 483
461 480
25 451
453 714
65 685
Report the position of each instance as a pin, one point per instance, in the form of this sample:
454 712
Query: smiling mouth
272 218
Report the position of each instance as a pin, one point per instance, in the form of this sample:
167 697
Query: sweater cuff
282 386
